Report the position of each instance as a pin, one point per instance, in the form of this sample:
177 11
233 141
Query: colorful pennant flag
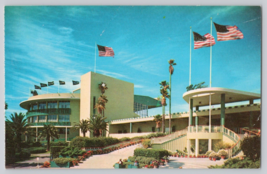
50 83
225 32
203 41
61 82
34 92
75 82
105 51
43 84
37 87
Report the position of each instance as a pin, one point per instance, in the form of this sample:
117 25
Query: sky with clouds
58 43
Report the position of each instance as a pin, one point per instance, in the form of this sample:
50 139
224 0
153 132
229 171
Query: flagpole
58 88
47 88
190 57
210 75
95 57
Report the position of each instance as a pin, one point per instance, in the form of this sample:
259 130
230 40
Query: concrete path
106 161
190 163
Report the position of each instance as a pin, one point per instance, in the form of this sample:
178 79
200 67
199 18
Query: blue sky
58 43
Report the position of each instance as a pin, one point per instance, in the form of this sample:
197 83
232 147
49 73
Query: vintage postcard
111 87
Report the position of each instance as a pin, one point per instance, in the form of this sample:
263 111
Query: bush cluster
60 143
93 142
146 143
124 139
71 152
221 145
154 153
237 163
251 146
63 160
37 149
24 154
55 150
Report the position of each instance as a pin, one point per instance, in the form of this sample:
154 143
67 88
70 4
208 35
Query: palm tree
197 86
83 125
49 131
18 124
171 62
164 92
103 87
158 120
97 125
101 104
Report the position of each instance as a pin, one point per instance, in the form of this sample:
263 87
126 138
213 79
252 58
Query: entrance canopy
148 101
201 96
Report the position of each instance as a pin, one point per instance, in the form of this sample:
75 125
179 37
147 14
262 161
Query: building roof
149 101
49 97
201 96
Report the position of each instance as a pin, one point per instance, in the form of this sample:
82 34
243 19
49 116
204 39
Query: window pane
42 106
51 105
64 104
34 107
63 118
42 118
52 118
34 119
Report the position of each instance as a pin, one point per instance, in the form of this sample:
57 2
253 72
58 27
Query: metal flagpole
210 75
95 57
58 87
190 58
47 88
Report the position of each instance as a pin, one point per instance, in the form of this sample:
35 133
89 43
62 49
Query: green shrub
221 145
63 160
209 152
132 158
60 143
222 153
124 139
213 155
35 144
93 142
71 152
251 146
24 154
37 149
237 163
146 143
55 150
155 153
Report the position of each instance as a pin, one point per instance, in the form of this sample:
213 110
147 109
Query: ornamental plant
222 153
213 155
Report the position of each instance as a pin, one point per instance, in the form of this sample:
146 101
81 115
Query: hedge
55 150
63 160
237 163
155 153
72 152
24 154
37 149
93 142
60 143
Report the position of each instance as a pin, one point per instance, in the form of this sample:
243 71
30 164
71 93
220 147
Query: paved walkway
190 163
106 161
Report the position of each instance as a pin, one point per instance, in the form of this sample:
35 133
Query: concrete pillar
131 127
210 143
251 101
191 112
188 147
197 108
36 133
222 109
196 147
196 123
66 135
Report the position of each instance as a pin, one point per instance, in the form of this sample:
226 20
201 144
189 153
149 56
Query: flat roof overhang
146 100
201 96
49 97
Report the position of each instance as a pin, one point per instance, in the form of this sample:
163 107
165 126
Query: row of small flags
52 83
224 33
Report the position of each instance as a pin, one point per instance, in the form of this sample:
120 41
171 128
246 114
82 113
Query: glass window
42 118
34 119
64 104
51 105
52 118
42 106
34 107
63 118
63 130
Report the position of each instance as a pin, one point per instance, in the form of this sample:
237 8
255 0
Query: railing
169 137
49 111
50 123
236 138
204 128
250 131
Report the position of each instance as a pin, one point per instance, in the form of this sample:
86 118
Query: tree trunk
83 134
19 142
48 143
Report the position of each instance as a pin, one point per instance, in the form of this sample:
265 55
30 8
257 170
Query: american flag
105 51
203 41
225 32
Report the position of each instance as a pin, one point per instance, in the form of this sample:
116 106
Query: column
222 109
251 101
191 112
131 127
196 147
36 133
66 135
196 123
210 142
188 147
